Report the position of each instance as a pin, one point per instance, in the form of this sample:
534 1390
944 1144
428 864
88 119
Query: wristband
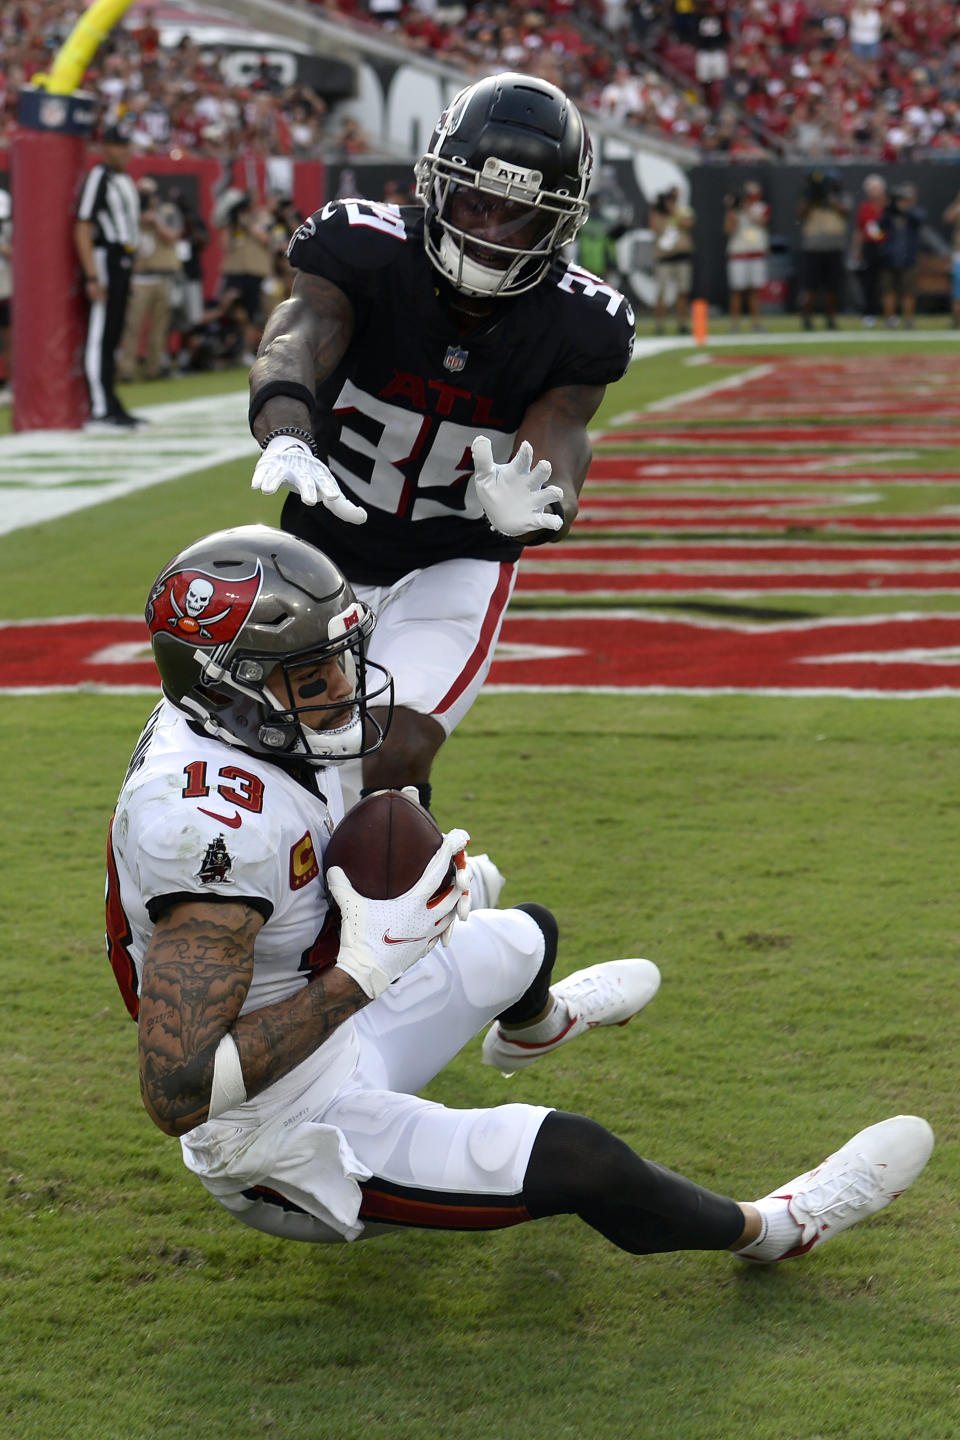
291 388
296 433
227 1089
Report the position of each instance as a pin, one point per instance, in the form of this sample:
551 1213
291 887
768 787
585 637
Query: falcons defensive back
426 390
397 418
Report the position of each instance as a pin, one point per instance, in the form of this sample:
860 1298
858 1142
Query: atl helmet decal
203 609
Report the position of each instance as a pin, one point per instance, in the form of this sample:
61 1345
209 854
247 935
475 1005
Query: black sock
579 1168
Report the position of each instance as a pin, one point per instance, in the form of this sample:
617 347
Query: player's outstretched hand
289 461
515 498
380 939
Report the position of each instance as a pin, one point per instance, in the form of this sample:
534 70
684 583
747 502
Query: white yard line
46 474
690 397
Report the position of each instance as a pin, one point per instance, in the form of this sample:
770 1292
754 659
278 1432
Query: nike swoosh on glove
380 939
289 461
515 498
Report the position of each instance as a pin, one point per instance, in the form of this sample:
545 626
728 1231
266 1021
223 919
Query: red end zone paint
886 655
621 469
601 582
898 654
76 653
811 436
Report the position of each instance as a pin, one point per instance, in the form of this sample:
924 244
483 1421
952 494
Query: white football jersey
196 819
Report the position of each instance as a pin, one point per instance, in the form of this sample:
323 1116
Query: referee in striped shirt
106 232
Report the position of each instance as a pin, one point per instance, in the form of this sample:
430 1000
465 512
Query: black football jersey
401 409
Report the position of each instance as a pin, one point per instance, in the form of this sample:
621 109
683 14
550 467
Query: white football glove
289 461
515 498
380 939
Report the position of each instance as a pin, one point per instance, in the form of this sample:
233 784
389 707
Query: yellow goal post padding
76 52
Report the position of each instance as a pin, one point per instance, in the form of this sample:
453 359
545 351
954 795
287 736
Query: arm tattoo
278 1037
196 974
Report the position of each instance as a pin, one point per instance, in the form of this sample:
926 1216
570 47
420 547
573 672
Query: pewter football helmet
236 606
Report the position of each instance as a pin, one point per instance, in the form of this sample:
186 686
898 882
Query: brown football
383 844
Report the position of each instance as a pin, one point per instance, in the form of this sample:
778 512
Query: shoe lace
591 992
848 1189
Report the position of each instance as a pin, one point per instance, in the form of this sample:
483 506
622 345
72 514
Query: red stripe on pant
495 609
461 1213
391 1206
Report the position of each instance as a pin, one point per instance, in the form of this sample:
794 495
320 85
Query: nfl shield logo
455 358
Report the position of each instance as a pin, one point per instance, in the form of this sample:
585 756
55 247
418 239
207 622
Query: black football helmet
229 610
504 184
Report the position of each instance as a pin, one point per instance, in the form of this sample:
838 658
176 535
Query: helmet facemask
504 184
491 236
240 702
345 729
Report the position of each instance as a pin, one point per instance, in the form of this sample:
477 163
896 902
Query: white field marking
842 461
745 567
50 473
660 344
717 503
645 349
551 616
744 591
507 650
936 655
82 690
719 470
702 392
742 627
776 692
625 523
761 546
125 653
669 402
70 620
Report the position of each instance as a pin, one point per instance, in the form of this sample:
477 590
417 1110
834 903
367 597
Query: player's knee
498 956
534 999
574 1163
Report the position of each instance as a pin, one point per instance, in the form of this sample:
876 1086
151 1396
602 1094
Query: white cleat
486 882
608 994
859 1179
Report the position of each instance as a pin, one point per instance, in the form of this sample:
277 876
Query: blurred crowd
173 99
167 302
877 254
741 79
839 78
733 79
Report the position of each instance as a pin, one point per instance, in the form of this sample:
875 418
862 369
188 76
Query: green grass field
791 866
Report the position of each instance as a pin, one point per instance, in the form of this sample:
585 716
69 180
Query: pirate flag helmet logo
204 609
